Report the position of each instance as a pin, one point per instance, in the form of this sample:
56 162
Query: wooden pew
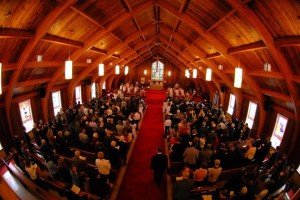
227 174
56 185
37 191
196 193
222 180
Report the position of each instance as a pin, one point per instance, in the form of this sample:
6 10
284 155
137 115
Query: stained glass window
157 71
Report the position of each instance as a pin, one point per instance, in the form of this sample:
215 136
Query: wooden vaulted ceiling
188 33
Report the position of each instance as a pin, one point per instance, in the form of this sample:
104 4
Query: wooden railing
37 191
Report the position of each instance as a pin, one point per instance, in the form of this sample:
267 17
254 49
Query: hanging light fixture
208 74
126 70
69 67
169 73
194 73
0 78
267 67
238 77
145 72
186 73
117 70
101 69
238 73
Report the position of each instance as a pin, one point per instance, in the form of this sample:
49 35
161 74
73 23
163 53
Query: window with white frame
78 96
231 104
26 114
93 90
104 85
279 129
56 101
251 114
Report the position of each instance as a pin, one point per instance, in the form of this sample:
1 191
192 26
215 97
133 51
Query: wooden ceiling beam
183 6
89 43
221 20
127 5
277 95
97 50
213 55
62 41
222 50
275 52
86 16
247 47
264 74
288 41
16 33
30 47
296 78
32 82
86 71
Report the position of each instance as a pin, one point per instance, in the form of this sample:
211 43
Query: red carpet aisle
138 182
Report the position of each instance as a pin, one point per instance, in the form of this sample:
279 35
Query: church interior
93 91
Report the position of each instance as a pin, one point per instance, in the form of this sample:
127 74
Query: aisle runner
138 181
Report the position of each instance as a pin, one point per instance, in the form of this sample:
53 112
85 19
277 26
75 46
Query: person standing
159 164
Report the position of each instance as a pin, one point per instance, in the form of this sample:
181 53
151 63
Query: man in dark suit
159 164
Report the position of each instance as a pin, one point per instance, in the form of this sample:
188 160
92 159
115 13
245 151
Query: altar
156 85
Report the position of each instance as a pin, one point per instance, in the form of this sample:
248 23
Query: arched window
157 71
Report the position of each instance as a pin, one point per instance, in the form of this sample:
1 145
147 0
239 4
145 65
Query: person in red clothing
200 175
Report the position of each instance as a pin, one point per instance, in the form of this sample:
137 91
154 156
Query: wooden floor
11 188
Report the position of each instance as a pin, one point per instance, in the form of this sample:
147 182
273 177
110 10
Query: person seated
214 173
52 168
182 187
63 171
200 175
31 169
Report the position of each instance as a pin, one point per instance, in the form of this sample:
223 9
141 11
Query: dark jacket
159 162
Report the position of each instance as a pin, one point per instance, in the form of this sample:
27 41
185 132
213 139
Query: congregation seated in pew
216 150
69 150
